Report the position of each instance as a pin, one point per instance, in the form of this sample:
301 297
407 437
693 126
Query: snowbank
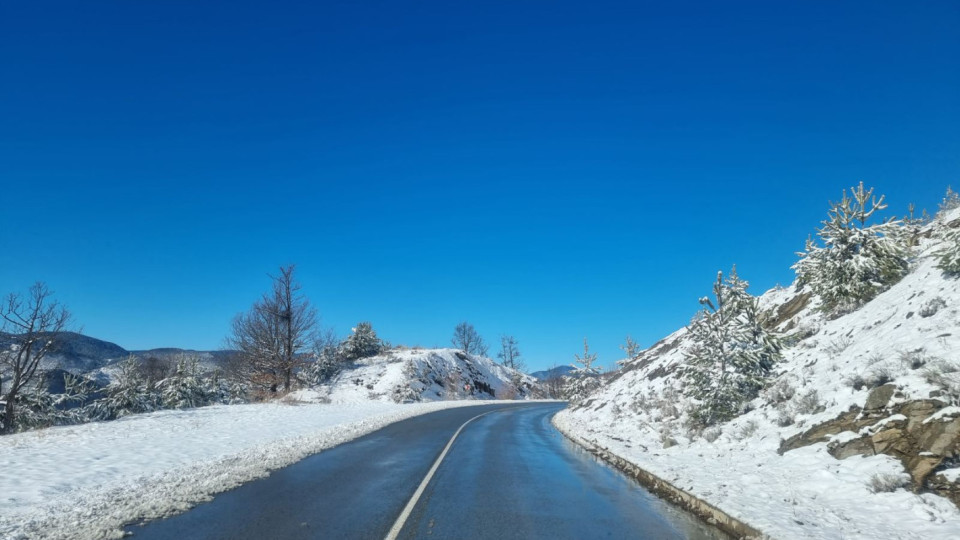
86 481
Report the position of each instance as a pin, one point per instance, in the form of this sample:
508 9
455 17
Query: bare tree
509 354
29 328
554 383
275 335
466 338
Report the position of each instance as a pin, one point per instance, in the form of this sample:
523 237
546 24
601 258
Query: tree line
277 345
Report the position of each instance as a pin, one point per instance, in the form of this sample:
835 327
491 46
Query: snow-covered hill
854 436
412 375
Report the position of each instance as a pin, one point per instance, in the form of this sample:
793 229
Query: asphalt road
509 474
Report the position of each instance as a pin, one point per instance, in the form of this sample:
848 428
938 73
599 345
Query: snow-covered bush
888 483
808 403
731 353
780 392
361 343
945 376
857 261
880 376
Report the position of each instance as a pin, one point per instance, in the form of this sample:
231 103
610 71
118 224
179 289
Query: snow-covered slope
909 335
411 375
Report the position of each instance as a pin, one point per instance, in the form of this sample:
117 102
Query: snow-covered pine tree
361 343
948 257
584 379
631 348
857 261
328 362
185 388
127 394
38 408
585 361
950 201
731 355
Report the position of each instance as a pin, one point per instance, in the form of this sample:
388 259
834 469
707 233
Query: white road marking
402 519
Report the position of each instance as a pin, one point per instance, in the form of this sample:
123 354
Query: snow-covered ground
804 493
86 481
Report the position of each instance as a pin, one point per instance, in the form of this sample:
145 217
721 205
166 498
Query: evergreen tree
328 363
184 389
948 257
585 361
857 261
731 353
129 393
631 348
584 379
361 343
950 201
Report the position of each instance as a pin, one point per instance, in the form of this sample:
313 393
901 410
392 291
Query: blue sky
551 170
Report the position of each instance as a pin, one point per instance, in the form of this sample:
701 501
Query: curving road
508 474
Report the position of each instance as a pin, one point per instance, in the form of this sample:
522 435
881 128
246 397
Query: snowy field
86 481
806 492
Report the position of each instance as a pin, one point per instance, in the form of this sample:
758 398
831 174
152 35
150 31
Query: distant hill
558 371
80 354
423 375
84 355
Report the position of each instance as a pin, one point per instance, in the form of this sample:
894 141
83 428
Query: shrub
888 483
879 377
913 359
712 434
932 306
780 391
808 403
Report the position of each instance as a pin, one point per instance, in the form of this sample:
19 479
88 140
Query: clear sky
552 170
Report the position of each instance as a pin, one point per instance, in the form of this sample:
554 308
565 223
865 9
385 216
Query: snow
102 475
945 414
804 493
418 375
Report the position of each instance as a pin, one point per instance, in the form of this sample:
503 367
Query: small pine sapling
732 354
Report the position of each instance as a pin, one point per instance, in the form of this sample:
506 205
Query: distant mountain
558 371
79 354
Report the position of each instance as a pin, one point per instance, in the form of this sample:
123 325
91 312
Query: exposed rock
856 447
939 484
848 421
879 397
788 310
921 444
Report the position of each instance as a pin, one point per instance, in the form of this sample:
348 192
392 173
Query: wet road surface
509 474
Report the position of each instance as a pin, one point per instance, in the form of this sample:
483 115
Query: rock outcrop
923 434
